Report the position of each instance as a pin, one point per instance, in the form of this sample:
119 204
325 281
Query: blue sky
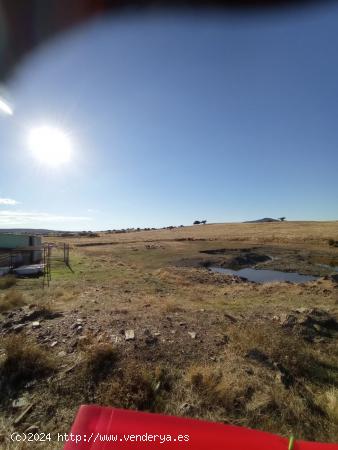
176 118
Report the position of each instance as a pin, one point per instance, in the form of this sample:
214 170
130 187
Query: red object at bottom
101 428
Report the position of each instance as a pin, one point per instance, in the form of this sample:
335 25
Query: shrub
99 361
12 299
24 361
274 346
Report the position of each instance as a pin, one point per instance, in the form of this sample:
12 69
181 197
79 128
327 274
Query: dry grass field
202 344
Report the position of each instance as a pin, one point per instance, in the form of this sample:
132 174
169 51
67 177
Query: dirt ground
140 322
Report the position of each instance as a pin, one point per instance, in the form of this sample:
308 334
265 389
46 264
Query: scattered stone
53 344
182 324
62 354
301 310
20 402
129 335
79 328
287 320
157 333
36 324
192 334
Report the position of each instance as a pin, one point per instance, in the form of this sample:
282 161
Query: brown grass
137 387
7 281
25 361
100 360
12 299
270 345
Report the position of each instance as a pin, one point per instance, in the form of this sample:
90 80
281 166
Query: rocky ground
145 325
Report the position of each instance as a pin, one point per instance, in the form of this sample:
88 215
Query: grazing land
140 322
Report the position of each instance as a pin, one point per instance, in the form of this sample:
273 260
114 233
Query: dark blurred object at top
24 24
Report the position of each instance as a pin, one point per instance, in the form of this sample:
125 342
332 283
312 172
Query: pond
327 266
265 276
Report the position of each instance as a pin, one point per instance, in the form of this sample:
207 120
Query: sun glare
50 146
5 107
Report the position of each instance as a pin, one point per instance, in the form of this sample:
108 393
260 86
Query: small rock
79 328
129 335
300 310
62 354
36 324
53 344
192 334
287 320
20 402
182 324
157 333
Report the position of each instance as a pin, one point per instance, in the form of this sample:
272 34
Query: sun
50 146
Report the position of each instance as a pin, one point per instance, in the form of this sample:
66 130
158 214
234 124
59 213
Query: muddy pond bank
301 262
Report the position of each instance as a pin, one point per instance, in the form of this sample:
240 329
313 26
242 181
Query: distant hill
266 219
27 231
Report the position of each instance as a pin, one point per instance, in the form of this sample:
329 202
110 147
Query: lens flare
5 107
50 146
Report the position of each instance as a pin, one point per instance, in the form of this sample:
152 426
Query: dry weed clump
256 398
12 299
24 361
138 387
271 345
100 360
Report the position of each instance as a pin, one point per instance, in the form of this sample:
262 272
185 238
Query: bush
272 345
100 360
24 362
12 299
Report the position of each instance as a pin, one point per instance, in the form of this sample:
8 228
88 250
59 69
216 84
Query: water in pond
264 276
327 266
